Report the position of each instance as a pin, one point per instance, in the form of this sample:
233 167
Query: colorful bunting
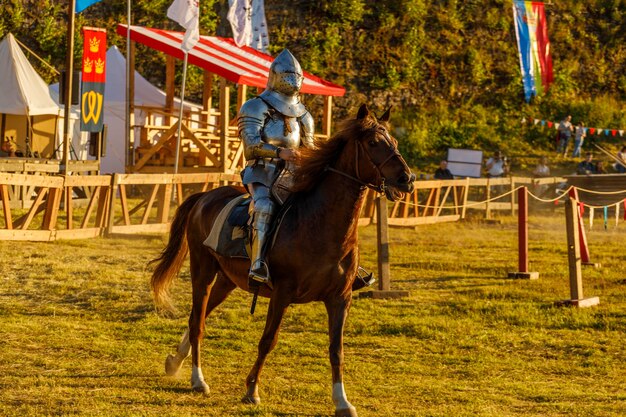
588 130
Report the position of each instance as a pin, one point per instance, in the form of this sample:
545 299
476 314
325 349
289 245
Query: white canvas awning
24 92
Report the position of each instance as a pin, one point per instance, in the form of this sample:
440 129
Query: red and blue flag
531 30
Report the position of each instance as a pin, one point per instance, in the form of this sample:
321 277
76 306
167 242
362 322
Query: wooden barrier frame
161 196
45 203
108 198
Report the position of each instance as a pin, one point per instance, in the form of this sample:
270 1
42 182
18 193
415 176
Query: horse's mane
313 162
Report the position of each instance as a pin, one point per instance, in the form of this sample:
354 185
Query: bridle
381 187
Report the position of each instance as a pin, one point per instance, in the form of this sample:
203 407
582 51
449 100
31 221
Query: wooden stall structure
209 140
599 189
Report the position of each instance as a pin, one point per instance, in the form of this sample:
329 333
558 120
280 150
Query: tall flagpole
128 154
180 112
69 69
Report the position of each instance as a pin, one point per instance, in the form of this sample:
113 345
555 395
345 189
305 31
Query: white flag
247 20
187 14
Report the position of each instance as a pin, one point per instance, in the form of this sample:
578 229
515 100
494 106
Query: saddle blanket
229 234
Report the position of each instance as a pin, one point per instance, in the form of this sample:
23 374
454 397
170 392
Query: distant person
579 139
621 157
587 166
496 165
565 134
600 169
443 173
9 146
542 169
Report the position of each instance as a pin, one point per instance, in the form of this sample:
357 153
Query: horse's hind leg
337 309
275 313
221 289
205 299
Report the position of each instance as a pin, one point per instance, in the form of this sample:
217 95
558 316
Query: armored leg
264 209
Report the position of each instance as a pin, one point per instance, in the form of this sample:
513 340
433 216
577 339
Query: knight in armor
272 126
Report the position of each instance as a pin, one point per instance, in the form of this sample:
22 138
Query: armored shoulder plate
308 127
250 121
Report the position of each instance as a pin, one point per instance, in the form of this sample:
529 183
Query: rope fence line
564 195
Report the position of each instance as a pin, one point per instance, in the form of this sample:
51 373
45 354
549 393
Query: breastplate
274 131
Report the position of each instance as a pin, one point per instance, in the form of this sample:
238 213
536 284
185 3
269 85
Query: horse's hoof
172 366
201 387
346 412
249 399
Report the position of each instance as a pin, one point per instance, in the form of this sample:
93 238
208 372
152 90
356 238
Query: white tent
24 92
30 116
146 94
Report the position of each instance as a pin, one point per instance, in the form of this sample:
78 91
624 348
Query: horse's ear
385 117
363 112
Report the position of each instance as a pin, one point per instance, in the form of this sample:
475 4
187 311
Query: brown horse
315 253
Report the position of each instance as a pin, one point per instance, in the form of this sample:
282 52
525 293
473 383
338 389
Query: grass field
79 334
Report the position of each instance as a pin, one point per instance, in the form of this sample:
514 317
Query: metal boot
258 268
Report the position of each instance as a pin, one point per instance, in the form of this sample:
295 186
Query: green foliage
450 68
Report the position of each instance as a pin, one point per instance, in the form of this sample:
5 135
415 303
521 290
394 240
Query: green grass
79 334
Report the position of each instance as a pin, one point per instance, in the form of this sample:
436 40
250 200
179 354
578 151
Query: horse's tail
172 257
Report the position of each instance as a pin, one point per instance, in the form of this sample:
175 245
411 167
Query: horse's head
378 162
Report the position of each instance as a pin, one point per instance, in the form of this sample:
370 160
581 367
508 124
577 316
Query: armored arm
307 127
250 121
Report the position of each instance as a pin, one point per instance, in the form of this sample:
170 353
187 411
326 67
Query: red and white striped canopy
221 56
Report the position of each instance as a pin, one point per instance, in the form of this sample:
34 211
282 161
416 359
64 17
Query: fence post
584 249
382 239
574 259
522 237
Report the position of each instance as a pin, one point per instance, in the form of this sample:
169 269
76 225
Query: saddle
230 234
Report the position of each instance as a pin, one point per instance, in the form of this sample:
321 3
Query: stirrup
363 279
366 276
260 274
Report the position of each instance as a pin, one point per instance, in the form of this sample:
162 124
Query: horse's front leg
275 313
337 312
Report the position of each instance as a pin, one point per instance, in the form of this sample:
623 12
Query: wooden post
384 272
170 73
573 255
584 249
207 96
242 94
224 123
522 236
382 243
512 196
327 116
487 208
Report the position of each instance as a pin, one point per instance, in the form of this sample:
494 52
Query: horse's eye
372 142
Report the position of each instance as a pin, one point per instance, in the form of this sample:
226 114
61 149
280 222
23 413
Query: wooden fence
51 207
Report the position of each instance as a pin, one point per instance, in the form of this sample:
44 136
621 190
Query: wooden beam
170 78
224 122
203 149
150 203
327 116
165 137
90 206
242 93
6 207
207 95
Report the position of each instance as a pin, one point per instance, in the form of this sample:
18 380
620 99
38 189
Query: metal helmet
285 74
283 85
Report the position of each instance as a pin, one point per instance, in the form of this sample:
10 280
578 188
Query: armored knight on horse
272 127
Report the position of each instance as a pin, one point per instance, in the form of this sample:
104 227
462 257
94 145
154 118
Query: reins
378 188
